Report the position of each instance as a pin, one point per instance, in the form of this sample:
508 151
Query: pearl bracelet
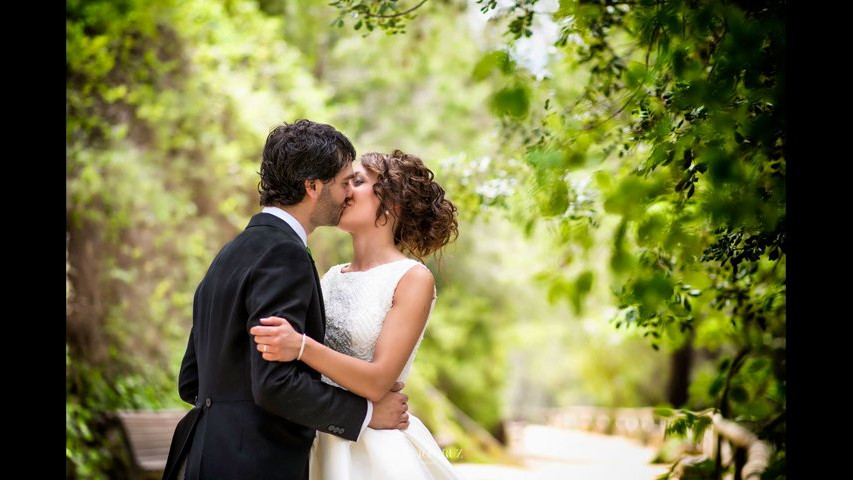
301 348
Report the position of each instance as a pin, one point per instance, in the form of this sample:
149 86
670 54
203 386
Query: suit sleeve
188 377
282 284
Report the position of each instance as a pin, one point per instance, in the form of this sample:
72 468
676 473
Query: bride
377 307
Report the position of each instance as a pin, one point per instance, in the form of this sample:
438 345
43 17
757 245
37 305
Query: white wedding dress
356 305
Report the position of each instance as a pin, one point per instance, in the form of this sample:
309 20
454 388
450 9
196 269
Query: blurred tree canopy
618 161
671 114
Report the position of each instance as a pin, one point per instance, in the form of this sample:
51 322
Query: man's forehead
346 173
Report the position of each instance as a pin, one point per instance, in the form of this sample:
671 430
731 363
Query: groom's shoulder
264 239
272 228
266 246
259 238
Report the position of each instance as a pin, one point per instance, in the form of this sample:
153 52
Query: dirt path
558 454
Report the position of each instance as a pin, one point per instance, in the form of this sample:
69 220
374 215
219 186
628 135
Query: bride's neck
370 249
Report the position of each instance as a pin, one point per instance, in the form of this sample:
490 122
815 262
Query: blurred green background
619 169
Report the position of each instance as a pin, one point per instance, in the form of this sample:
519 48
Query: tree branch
652 42
396 14
630 98
735 366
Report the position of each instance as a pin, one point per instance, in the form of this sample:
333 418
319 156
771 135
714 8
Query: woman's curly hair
425 220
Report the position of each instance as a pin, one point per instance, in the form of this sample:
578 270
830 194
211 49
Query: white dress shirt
300 230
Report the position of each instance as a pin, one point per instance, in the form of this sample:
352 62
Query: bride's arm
400 332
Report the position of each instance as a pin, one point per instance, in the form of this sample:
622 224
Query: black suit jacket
253 418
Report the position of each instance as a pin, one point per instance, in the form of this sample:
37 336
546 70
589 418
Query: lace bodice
356 305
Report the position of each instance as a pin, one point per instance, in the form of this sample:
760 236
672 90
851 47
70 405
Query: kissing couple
294 376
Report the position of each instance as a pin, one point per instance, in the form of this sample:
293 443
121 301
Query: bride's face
360 212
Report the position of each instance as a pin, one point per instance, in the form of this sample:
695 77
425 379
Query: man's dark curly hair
293 153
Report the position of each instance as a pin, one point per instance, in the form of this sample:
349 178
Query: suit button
331 428
341 431
207 402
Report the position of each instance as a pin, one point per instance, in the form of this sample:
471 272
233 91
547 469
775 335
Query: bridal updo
425 220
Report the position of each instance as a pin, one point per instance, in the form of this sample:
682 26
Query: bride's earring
386 212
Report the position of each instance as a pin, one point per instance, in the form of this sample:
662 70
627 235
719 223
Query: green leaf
633 194
664 412
493 61
566 8
699 426
651 229
738 394
757 365
583 284
512 101
546 159
721 166
556 202
635 75
678 60
603 179
716 386
652 291
621 261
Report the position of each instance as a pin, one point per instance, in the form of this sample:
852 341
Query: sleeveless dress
356 305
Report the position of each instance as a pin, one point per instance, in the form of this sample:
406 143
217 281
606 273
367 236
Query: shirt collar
291 220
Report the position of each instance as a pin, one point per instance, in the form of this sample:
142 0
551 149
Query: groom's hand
390 413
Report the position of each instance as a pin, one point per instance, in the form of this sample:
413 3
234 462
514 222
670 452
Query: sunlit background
619 170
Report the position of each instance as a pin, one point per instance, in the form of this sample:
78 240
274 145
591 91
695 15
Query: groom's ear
312 188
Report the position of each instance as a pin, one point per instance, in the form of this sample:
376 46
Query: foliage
678 109
690 118
383 14
167 107
682 424
645 164
164 116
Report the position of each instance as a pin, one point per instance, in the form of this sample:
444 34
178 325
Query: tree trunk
681 361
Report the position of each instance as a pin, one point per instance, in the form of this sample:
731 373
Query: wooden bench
149 435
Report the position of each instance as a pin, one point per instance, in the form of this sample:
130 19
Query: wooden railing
725 443
639 423
721 444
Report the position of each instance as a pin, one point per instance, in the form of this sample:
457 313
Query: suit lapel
267 219
322 302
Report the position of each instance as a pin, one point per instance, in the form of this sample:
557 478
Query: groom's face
333 198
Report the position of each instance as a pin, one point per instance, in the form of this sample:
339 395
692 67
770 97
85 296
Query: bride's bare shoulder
417 282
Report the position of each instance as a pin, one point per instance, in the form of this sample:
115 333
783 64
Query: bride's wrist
302 346
309 350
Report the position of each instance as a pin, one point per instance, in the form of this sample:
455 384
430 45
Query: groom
255 419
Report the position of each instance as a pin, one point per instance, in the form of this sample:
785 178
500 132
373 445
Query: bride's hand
276 339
